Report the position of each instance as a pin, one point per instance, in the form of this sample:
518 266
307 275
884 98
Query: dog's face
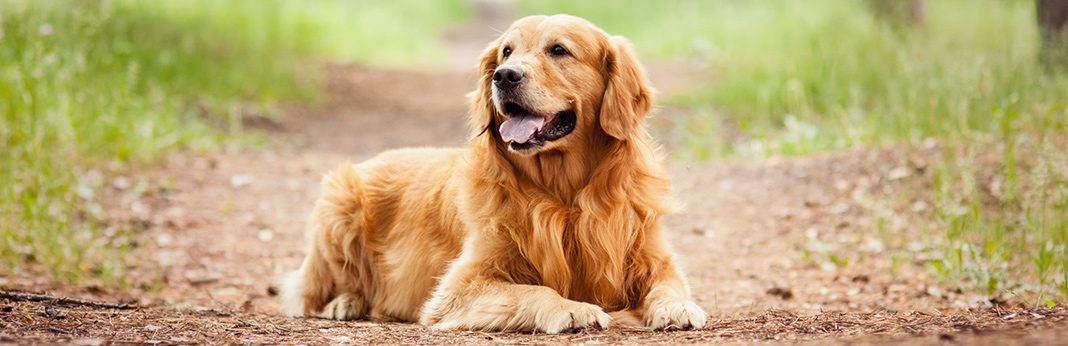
550 80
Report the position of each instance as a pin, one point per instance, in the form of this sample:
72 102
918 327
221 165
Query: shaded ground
170 325
220 229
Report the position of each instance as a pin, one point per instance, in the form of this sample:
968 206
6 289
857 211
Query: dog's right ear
482 117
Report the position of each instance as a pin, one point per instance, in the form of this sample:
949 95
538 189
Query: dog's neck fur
562 173
565 173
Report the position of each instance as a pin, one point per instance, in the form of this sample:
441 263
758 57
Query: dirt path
219 230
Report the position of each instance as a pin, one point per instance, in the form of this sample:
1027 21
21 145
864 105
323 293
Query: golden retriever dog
545 221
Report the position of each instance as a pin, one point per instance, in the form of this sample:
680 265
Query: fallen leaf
899 173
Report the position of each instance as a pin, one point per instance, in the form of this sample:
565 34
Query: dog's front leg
473 296
668 304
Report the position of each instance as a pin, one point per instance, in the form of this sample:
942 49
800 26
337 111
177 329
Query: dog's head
551 80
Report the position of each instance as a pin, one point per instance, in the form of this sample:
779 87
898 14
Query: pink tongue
520 129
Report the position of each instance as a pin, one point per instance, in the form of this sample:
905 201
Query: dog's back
393 214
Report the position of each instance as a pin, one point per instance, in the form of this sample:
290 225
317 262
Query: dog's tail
335 226
339 207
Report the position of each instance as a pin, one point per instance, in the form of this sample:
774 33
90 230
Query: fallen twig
34 297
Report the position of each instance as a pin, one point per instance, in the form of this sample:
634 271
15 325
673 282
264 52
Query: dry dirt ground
218 229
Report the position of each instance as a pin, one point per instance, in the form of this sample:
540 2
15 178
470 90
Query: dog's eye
507 51
558 50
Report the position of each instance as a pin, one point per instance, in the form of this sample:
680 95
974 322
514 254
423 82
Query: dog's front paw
345 307
676 315
573 316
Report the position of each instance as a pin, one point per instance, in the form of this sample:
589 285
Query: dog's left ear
482 113
628 98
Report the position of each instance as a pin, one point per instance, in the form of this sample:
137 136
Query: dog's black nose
507 77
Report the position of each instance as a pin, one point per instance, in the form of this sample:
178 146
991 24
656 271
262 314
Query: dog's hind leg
306 291
335 278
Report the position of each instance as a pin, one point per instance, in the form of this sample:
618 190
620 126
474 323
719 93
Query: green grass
798 77
91 89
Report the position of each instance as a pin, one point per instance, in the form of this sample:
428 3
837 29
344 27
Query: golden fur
490 238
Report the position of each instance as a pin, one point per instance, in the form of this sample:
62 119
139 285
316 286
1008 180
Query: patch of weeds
821 254
1005 226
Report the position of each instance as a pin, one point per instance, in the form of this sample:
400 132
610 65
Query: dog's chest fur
584 255
576 223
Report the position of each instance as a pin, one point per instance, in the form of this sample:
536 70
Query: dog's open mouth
525 130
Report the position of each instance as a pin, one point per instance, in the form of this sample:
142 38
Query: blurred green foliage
793 77
96 86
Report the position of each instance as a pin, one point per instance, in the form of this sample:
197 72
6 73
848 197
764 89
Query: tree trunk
1053 25
899 13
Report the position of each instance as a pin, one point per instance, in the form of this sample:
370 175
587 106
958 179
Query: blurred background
971 93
